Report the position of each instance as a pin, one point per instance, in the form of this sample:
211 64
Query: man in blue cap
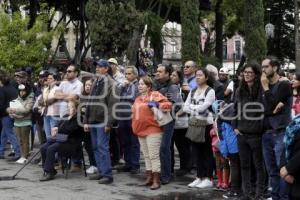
99 119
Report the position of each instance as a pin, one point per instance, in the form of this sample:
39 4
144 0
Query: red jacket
143 121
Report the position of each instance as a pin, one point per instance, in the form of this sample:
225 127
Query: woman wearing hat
20 111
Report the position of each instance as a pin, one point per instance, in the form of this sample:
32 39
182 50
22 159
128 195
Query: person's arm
2 102
284 92
208 101
27 108
229 89
187 103
111 100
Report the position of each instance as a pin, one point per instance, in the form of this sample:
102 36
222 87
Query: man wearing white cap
117 75
227 83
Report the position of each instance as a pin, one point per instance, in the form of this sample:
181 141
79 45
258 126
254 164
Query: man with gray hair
131 146
218 86
189 70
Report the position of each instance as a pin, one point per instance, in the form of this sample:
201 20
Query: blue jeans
8 133
273 147
131 145
100 145
49 123
165 151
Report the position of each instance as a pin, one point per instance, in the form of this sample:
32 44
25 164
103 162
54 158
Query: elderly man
116 74
189 71
99 119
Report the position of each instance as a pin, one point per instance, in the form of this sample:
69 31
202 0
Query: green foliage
233 12
20 47
189 11
255 36
111 26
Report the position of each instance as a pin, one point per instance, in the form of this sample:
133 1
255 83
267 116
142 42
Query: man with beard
277 98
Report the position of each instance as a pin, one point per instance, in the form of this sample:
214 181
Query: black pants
203 155
235 172
114 144
183 146
48 151
250 147
88 147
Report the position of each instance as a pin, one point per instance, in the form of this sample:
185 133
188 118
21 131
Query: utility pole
297 39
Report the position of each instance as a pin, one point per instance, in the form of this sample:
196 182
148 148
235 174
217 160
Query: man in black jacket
277 98
7 94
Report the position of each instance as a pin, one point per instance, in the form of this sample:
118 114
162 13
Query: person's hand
11 110
86 128
289 179
54 131
264 81
126 82
185 87
283 172
107 129
152 104
237 132
278 108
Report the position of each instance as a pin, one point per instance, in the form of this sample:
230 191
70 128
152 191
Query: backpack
210 109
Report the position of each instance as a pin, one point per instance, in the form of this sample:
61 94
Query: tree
189 13
111 25
20 46
281 15
255 36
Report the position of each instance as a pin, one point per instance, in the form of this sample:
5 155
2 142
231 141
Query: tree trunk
134 45
33 8
219 31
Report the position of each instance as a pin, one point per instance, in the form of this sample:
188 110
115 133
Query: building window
224 51
238 53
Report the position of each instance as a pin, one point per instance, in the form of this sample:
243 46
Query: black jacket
293 168
7 94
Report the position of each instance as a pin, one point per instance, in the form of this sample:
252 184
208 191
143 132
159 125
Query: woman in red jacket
147 128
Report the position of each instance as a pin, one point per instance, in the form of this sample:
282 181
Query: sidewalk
28 187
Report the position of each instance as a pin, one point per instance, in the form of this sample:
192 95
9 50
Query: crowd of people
235 131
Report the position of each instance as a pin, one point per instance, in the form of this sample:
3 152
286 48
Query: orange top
143 121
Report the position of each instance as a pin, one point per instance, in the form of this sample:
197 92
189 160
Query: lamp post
233 56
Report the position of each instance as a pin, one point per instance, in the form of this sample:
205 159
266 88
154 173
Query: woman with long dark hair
197 105
249 129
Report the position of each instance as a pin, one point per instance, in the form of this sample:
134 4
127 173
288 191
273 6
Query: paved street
27 186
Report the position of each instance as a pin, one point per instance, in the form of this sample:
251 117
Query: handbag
60 138
196 130
161 117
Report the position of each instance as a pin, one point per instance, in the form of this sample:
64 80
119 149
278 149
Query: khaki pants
150 146
23 138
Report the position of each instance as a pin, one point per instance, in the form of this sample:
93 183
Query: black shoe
11 154
106 180
123 169
95 177
134 171
231 194
165 182
37 161
48 176
13 159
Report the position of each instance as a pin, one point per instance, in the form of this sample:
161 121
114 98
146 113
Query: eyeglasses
248 72
69 71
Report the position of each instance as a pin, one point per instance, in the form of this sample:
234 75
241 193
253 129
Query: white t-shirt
73 87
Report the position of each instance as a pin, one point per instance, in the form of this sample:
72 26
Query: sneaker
197 181
92 170
206 183
22 160
11 154
13 159
95 177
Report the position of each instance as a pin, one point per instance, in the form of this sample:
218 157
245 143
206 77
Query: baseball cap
113 60
102 63
223 70
21 74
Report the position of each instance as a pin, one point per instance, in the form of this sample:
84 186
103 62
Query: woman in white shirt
198 105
